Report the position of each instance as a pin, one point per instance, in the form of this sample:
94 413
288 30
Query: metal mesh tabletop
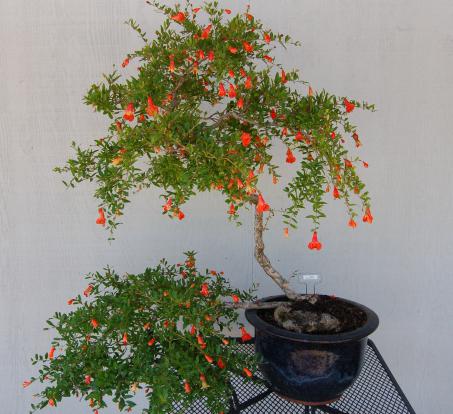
375 392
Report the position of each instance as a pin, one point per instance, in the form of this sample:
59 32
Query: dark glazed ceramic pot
310 369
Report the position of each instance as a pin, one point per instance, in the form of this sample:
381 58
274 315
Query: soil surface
305 317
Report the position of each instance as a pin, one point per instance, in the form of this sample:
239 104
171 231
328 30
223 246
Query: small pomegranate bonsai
207 109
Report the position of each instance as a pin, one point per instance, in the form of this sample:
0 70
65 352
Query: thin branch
254 305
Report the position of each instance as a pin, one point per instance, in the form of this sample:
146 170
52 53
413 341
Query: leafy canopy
203 112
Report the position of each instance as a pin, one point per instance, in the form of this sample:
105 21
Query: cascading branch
203 112
161 333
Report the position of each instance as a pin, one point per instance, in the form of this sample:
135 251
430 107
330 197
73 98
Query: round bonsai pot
306 368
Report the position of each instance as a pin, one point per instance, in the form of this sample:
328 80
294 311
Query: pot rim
368 328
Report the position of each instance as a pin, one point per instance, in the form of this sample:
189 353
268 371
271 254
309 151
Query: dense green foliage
103 347
203 112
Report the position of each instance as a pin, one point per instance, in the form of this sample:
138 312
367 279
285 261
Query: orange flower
248 372
206 31
51 352
332 135
284 131
227 11
179 17
352 224
220 363
26 383
262 206
101 218
147 326
193 330
129 112
232 209
299 136
125 62
181 215
310 91
355 136
349 106
196 10
167 205
208 358
171 66
52 403
235 298
367 218
151 109
283 76
71 301
347 164
195 68
117 161
94 323
211 55
225 341
286 232
240 103
204 289
222 91
245 335
200 340
365 164
187 388
151 341
290 158
273 114
125 338
168 99
232 91
87 379
204 384
88 290
274 179
268 58
248 83
267 38
246 139
247 47
233 49
315 244
336 194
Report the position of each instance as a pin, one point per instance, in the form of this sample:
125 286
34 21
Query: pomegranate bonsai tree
202 106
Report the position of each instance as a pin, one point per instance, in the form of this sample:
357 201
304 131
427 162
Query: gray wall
397 54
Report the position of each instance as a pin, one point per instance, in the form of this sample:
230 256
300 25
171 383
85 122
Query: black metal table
375 392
